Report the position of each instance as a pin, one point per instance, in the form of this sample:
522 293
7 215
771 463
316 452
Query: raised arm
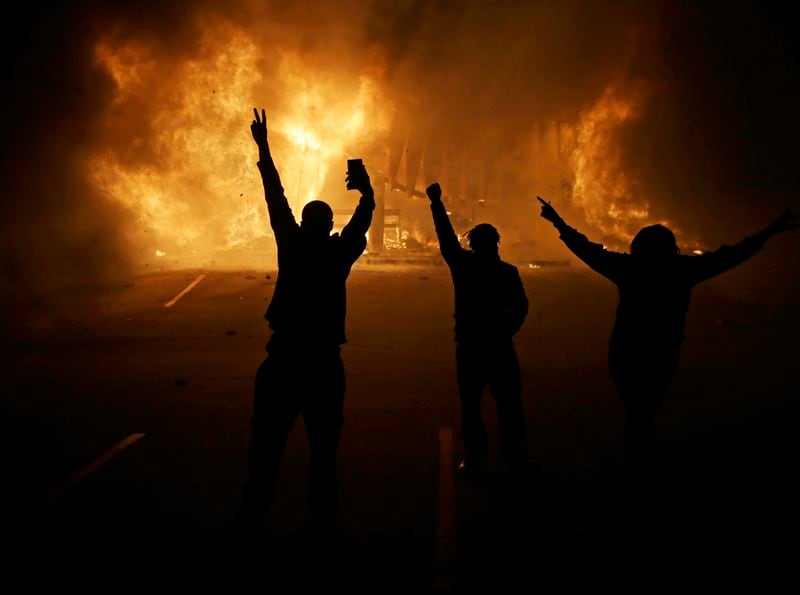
711 264
280 214
354 233
448 240
609 264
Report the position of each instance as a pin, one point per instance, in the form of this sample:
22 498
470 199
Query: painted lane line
93 466
188 288
446 510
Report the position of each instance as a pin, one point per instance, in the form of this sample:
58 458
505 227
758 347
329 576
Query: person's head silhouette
654 242
483 239
317 219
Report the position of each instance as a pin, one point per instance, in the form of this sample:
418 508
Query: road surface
125 424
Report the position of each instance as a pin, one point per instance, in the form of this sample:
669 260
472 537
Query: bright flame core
612 200
179 151
602 188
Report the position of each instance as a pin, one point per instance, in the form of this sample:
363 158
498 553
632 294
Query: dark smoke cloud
717 143
57 233
714 147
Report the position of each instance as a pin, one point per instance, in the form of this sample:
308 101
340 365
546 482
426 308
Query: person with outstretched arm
654 282
303 370
490 307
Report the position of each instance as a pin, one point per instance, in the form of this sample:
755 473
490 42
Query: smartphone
354 169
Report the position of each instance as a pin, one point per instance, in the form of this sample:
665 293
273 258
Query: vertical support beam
376 230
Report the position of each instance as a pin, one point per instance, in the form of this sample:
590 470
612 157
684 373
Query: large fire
612 200
178 151
180 155
602 189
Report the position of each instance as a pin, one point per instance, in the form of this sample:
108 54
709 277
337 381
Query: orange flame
187 166
609 197
614 202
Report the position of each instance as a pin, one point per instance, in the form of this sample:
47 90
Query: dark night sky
723 124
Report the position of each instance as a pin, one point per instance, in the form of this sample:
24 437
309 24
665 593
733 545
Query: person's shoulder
336 241
683 262
347 244
508 268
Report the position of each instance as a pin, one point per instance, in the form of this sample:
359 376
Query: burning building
623 115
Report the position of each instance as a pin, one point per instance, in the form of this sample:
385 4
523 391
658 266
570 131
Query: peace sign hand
258 128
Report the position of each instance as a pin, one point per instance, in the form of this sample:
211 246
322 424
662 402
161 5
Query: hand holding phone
356 172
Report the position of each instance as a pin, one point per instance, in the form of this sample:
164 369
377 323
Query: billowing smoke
58 231
126 143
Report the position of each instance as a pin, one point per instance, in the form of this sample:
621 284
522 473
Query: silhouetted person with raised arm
654 283
303 371
490 307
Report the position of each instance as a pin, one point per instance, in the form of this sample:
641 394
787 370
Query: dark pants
290 382
642 377
497 367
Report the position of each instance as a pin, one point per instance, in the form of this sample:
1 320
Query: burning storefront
623 116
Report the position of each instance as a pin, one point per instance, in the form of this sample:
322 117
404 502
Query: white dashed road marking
188 288
93 466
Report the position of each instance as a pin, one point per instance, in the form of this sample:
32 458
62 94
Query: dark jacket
654 296
310 299
490 301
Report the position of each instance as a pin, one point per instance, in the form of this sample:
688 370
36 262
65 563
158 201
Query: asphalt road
125 426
